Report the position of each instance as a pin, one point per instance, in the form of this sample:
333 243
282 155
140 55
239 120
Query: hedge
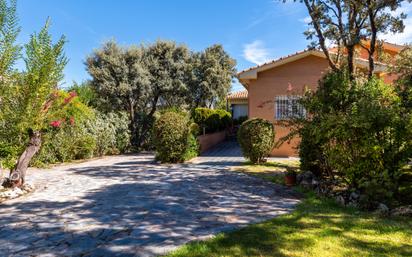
211 120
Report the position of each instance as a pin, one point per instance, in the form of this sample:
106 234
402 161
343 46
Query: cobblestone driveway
130 206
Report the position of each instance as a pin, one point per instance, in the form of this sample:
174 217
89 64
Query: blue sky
252 32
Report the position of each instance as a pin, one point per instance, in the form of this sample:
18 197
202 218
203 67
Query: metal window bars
287 107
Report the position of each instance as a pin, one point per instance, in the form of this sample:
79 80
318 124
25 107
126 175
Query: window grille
287 107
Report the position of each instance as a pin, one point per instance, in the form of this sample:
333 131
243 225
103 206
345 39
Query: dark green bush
170 135
256 138
211 120
358 134
240 120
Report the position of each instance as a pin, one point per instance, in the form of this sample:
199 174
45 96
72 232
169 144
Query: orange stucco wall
302 73
262 91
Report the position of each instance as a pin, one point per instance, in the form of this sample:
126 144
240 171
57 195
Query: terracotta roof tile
275 60
238 95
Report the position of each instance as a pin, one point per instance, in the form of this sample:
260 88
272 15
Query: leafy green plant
211 120
256 138
240 120
358 134
193 147
170 134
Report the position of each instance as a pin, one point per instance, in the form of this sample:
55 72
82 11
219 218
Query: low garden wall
207 141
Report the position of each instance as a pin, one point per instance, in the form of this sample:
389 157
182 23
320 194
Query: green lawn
318 227
272 171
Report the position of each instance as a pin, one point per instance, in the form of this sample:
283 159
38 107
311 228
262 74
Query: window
287 107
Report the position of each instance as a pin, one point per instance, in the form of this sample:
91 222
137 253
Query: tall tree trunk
133 125
18 174
148 123
320 35
372 45
351 66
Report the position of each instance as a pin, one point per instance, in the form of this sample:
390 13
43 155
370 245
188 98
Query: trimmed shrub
257 139
240 120
170 136
211 120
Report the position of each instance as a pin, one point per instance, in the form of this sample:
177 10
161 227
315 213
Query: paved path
130 206
229 153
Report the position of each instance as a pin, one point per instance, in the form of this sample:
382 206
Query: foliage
9 50
211 120
85 93
346 24
170 133
193 147
120 81
212 71
318 227
65 144
93 134
111 133
144 79
358 132
30 100
240 120
256 138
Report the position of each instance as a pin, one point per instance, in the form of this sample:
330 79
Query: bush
65 144
111 132
94 136
193 147
8 155
256 138
240 120
211 120
170 134
358 135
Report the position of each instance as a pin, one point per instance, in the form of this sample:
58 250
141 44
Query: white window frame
287 107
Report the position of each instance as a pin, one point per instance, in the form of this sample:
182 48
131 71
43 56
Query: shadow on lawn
151 209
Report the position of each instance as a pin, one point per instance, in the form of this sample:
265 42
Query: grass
271 171
317 228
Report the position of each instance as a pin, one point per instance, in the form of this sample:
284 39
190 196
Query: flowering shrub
94 134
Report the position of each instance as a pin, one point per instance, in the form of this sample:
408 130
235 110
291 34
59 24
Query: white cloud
406 35
306 20
256 52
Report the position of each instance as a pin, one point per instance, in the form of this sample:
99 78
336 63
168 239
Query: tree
212 71
32 102
85 92
120 80
350 23
10 29
144 79
138 80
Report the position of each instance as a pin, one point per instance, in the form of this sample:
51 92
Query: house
268 87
